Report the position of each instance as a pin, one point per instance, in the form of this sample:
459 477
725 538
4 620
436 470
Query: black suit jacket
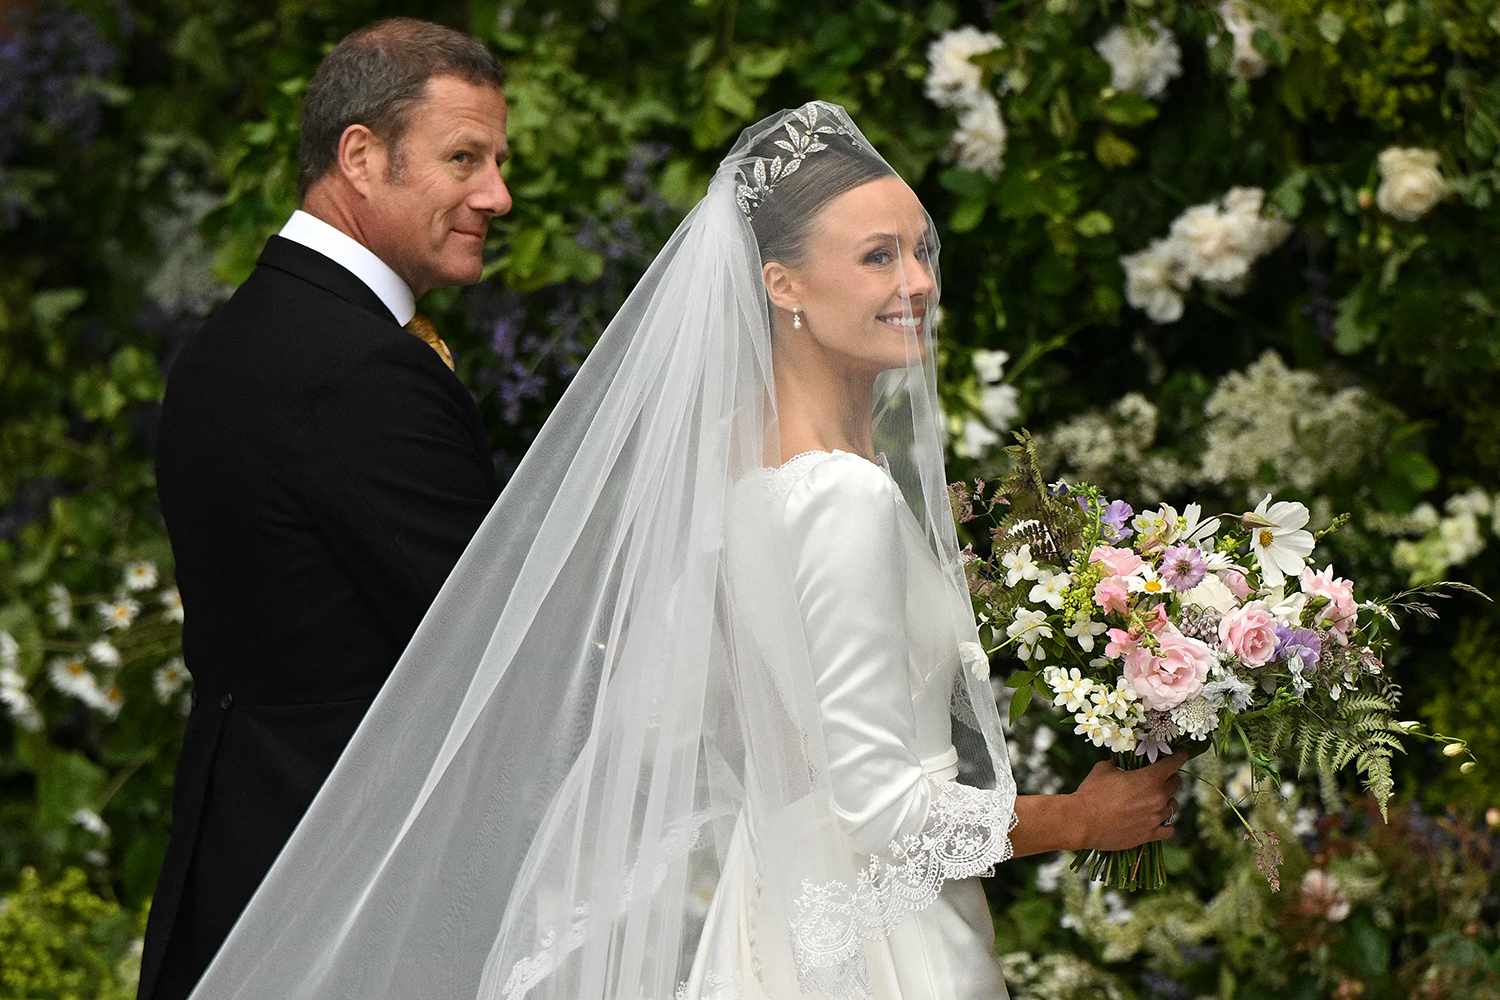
320 472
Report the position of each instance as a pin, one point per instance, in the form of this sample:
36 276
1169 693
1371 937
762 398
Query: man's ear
361 157
781 285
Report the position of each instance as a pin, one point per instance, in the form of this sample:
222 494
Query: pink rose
1173 675
1235 581
1249 632
1159 620
1120 643
1111 594
1341 610
1119 562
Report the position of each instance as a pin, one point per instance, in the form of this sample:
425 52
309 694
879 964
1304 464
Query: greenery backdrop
1338 341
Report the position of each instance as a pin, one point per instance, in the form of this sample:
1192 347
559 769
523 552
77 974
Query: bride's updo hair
785 217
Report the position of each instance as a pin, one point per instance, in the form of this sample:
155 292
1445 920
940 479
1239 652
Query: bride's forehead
885 206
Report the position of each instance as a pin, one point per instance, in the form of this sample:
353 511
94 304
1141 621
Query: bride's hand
1118 810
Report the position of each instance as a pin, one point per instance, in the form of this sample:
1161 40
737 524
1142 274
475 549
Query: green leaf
1020 677
65 783
1350 333
1364 948
1020 702
1095 223
764 64
1113 152
1416 469
1128 109
1288 196
51 307
728 93
968 215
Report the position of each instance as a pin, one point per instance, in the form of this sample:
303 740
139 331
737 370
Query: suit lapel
311 266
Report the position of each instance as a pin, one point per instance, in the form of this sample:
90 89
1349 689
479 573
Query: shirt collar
344 250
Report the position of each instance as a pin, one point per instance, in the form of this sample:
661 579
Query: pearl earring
796 319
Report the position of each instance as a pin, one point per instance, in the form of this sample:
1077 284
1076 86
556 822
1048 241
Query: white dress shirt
315 234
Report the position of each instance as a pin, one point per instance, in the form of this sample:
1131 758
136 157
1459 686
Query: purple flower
1300 647
1114 517
1183 567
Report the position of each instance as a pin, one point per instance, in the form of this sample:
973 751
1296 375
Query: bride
682 722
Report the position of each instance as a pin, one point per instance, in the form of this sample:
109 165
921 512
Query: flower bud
1466 767
1409 726
1366 199
1453 750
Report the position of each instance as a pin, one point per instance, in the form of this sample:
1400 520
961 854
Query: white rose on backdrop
1000 405
1246 62
1410 183
979 143
952 78
1140 61
1213 243
1155 279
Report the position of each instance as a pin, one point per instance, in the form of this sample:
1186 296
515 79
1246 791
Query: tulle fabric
613 697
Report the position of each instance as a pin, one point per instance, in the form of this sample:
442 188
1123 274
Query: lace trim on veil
967 833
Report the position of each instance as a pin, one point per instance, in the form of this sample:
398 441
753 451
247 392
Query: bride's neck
822 405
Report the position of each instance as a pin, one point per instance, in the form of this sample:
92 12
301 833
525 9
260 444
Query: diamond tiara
766 173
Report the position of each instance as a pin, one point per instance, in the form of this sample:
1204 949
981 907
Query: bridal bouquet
1158 630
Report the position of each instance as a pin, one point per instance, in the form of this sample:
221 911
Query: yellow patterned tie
421 327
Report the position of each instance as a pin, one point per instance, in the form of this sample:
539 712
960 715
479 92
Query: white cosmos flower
140 576
1019 566
1141 60
990 365
1146 581
118 614
1277 539
952 77
1196 529
1049 589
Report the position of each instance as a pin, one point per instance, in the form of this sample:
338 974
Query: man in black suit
320 467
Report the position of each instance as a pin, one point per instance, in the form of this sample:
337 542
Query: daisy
1278 540
172 601
71 676
118 614
172 675
104 653
140 576
1147 581
91 821
59 605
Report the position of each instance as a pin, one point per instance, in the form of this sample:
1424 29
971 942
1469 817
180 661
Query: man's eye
463 157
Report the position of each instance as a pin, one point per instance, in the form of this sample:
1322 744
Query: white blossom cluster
955 81
1271 419
1105 716
999 404
1242 20
1142 60
1099 446
1214 243
1444 540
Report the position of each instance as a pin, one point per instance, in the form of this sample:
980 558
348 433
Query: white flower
59 605
1120 701
21 708
107 701
1213 244
1000 405
1288 610
171 599
1092 728
1196 529
1155 279
1305 822
1049 589
119 613
140 576
1083 631
1211 592
172 675
952 77
91 821
72 677
1072 689
976 440
1229 690
979 143
990 365
1141 61
1048 874
1196 718
1123 740
1322 895
1028 629
1277 539
1246 63
1019 566
1146 581
104 653
1410 183
10 651
1240 784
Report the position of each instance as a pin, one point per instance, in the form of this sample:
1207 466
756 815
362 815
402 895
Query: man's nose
492 197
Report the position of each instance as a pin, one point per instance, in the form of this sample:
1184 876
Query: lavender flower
1115 517
1155 736
1183 567
1299 647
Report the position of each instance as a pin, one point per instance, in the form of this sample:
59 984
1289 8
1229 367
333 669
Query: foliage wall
1223 249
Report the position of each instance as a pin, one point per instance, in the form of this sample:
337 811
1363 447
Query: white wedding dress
876 614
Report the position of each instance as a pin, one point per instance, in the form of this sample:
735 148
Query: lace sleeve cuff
966 834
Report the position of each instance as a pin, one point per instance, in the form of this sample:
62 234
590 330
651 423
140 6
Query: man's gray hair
374 77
